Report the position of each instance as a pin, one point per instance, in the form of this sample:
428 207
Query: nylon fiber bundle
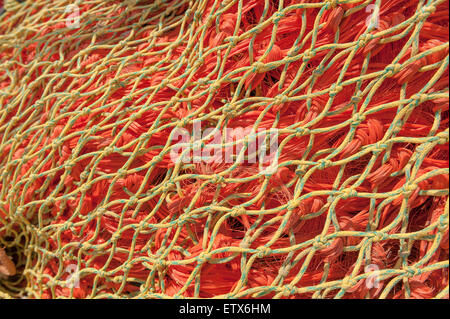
97 96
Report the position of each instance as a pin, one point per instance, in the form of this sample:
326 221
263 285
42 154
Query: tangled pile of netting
92 205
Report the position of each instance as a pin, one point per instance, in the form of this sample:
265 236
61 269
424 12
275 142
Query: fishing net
353 93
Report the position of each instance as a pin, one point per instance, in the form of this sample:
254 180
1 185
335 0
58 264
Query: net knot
152 69
419 98
335 89
404 254
364 39
18 137
393 69
203 257
237 211
332 4
198 15
318 71
164 82
277 17
134 116
348 192
281 99
443 223
85 187
50 201
442 137
10 194
284 271
182 219
167 187
69 165
108 150
408 189
160 265
67 226
357 119
86 111
300 171
319 242
84 175
39 103
217 179
14 120
263 251
379 236
302 131
7 64
308 55
59 63
425 12
199 61
259 67
379 147
26 79
121 173
74 95
233 40
289 290
56 144
230 111
101 211
244 243
182 122
215 86
293 204
122 44
132 200
324 163
203 81
19 211
347 283
355 99
94 129
412 271
157 159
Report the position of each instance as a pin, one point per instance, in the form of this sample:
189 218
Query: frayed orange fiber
94 102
